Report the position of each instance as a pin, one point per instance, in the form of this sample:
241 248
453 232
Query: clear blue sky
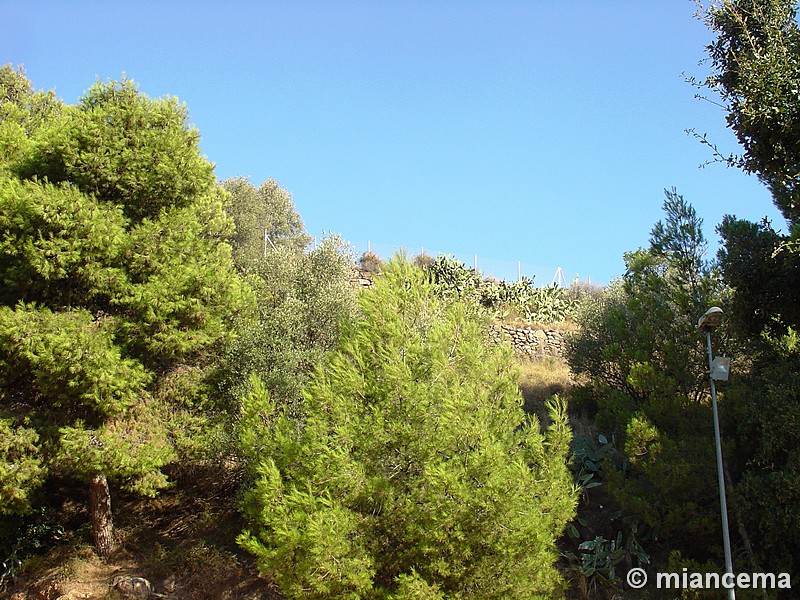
543 132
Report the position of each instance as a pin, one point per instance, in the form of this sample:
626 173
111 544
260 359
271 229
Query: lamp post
706 323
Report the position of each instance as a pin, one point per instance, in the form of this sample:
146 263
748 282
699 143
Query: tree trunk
100 511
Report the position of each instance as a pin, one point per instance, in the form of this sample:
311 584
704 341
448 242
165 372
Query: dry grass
69 573
541 379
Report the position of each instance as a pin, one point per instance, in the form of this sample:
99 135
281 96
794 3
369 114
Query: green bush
415 472
763 423
303 300
639 346
114 272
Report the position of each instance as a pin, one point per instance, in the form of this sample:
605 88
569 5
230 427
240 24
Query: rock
132 588
529 341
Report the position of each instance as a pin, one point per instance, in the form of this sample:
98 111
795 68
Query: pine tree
415 473
640 348
115 275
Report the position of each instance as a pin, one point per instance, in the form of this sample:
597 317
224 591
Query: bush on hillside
415 472
370 262
646 367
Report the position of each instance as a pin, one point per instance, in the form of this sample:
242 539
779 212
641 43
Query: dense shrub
370 262
423 260
415 472
303 300
640 347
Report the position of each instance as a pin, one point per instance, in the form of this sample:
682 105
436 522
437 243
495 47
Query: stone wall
531 341
360 278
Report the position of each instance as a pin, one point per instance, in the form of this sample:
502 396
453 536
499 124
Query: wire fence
505 270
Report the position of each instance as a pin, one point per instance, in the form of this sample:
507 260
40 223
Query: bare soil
183 542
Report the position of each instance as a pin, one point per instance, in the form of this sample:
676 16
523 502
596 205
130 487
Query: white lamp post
718 369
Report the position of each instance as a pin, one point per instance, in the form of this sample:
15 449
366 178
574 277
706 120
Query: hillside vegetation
193 396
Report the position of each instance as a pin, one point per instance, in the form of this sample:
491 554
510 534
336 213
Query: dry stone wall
530 341
360 278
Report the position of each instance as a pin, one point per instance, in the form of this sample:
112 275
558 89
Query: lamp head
711 318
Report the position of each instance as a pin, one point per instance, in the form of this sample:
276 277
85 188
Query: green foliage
115 276
594 559
256 212
132 449
677 563
646 324
182 290
66 361
303 299
454 279
551 304
679 240
119 145
640 346
764 425
22 111
20 466
59 246
303 295
167 282
756 72
597 563
764 278
22 536
414 587
588 460
597 560
167 279
415 472
66 377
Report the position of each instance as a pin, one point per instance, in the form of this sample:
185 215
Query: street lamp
718 369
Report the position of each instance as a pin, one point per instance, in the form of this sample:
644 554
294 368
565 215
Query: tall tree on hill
115 275
644 359
303 294
755 62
